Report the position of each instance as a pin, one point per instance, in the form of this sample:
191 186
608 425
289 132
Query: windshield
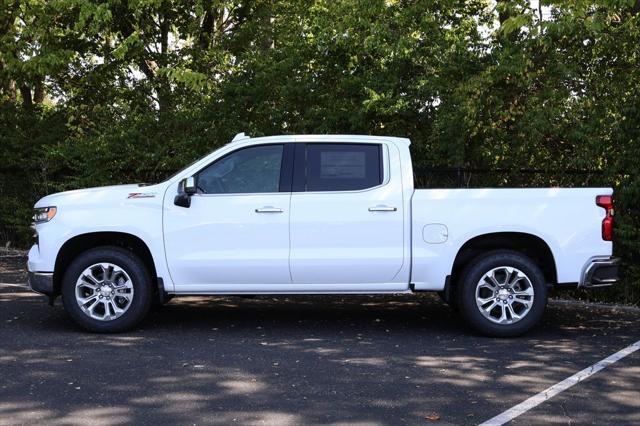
182 169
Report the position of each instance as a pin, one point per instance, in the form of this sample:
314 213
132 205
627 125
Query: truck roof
318 138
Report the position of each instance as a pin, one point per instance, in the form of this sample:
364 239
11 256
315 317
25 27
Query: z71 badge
142 195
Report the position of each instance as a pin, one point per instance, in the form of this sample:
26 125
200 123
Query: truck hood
98 195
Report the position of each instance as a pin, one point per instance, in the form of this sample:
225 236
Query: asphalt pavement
307 360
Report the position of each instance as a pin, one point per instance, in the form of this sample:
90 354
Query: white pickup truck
318 214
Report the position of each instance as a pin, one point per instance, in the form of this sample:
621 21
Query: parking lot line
562 386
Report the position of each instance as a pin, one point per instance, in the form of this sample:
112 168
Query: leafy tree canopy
102 92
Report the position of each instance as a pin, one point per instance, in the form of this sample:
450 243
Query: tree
115 91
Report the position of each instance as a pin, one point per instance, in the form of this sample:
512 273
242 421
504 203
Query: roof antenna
239 137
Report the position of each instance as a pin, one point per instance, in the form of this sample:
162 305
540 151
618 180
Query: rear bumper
41 282
599 272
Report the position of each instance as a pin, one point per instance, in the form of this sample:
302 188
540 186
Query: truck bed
567 219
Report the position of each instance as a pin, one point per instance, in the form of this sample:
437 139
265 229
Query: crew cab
318 214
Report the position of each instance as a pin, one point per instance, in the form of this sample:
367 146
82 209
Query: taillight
606 202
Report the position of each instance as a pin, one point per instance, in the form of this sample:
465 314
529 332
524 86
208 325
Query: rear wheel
107 289
502 294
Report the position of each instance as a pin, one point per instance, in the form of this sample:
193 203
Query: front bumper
600 272
41 282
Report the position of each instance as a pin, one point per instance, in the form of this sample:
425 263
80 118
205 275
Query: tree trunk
162 84
39 92
27 101
268 42
504 13
206 29
11 90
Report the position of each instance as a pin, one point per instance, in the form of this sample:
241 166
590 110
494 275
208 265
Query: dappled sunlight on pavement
303 359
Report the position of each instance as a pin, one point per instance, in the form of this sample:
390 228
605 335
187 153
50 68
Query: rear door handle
383 209
269 209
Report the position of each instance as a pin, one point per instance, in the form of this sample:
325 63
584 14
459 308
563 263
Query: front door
235 235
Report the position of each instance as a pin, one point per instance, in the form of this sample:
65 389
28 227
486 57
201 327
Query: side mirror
186 188
189 185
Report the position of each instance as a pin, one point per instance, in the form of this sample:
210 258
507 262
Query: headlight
43 214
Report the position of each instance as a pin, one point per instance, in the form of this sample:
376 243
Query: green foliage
96 93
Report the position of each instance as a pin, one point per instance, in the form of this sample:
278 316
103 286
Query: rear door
347 227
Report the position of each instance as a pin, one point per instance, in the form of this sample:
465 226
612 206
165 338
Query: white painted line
14 285
554 390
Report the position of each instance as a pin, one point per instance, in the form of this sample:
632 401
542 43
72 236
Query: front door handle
383 209
269 209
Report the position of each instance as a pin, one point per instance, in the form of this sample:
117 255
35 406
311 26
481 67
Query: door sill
230 289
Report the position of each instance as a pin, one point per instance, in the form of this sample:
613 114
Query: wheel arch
528 244
82 242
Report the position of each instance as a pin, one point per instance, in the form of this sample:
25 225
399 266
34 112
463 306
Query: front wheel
502 294
107 290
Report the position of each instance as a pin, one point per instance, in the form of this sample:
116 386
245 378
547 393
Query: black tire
140 279
477 269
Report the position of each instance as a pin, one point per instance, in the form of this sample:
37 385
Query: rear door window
343 167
